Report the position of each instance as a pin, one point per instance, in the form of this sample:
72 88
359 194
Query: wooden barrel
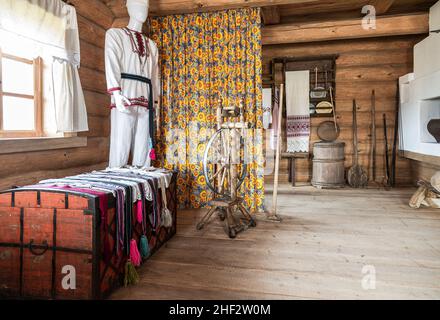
328 165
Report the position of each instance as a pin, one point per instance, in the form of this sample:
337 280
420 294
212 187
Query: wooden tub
328 165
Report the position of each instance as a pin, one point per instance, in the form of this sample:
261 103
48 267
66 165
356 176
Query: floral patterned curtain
205 56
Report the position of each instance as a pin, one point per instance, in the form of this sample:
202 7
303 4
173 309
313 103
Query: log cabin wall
94 18
363 65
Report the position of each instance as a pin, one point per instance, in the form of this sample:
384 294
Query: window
21 97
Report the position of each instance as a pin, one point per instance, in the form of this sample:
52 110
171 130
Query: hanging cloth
267 108
298 112
68 98
52 25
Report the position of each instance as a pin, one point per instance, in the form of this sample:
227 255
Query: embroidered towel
298 113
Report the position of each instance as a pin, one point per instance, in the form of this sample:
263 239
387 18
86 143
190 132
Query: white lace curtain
52 25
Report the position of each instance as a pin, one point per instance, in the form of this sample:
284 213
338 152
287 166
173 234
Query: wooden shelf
309 58
321 115
324 64
420 157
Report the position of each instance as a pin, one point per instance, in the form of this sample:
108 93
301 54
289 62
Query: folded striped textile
129 185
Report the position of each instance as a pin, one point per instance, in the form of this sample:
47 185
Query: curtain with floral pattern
203 57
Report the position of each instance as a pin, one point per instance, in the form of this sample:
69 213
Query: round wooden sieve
328 132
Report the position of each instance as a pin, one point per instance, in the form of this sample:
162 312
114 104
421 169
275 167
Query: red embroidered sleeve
111 90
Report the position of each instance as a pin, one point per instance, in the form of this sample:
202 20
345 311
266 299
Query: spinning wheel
225 169
218 154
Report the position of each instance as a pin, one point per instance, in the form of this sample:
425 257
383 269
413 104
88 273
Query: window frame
37 97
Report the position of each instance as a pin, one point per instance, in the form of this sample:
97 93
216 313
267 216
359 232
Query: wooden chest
49 237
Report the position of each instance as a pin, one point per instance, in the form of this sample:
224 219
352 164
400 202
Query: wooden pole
373 132
387 163
273 215
396 130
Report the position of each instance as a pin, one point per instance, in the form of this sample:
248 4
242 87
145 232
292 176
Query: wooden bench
292 163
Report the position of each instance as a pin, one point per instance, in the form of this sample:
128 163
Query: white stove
420 93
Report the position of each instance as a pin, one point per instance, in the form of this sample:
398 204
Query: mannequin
132 73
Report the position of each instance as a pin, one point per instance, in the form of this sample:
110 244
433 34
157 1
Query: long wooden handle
355 136
396 132
385 137
373 133
335 119
278 153
316 77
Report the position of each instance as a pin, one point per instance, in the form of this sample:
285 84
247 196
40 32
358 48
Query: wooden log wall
94 18
363 65
417 23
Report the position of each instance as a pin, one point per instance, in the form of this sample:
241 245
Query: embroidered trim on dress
139 42
135 102
110 91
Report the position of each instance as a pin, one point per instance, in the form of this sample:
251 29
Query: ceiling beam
166 7
382 6
271 15
322 7
345 29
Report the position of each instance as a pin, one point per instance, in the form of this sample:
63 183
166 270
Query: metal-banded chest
51 244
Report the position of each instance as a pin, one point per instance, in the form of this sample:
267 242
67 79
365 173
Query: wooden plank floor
317 252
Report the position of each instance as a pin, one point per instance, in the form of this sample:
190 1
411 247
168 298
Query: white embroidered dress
131 52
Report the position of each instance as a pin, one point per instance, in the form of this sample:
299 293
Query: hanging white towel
298 113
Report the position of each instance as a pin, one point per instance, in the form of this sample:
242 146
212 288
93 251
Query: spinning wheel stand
225 153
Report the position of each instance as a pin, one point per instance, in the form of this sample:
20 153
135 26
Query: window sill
19 145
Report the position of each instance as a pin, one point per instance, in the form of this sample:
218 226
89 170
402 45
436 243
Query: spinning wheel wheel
225 169
218 155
